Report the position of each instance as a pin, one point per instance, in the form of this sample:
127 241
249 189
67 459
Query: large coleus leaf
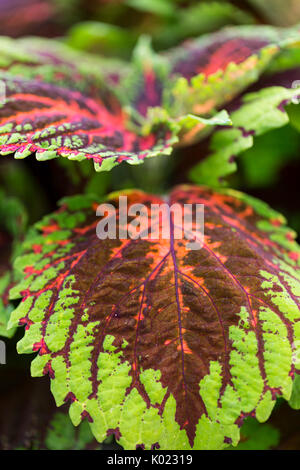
54 121
161 345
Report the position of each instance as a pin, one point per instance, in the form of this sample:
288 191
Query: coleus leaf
210 53
201 75
260 112
161 345
54 62
214 69
53 121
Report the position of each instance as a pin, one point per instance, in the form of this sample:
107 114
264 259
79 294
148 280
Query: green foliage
278 12
12 226
256 436
295 398
5 307
62 435
106 39
12 215
258 114
261 164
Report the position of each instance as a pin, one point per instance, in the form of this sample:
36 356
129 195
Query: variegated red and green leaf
54 62
54 121
262 109
202 75
163 346
54 99
211 53
214 69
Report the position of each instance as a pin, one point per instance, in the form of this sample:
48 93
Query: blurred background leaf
256 436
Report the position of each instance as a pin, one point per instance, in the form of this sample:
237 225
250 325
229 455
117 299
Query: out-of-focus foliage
295 398
12 224
256 436
62 435
261 165
278 12
111 27
167 22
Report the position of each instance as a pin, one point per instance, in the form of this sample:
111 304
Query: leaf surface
209 72
164 346
54 121
202 75
53 62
